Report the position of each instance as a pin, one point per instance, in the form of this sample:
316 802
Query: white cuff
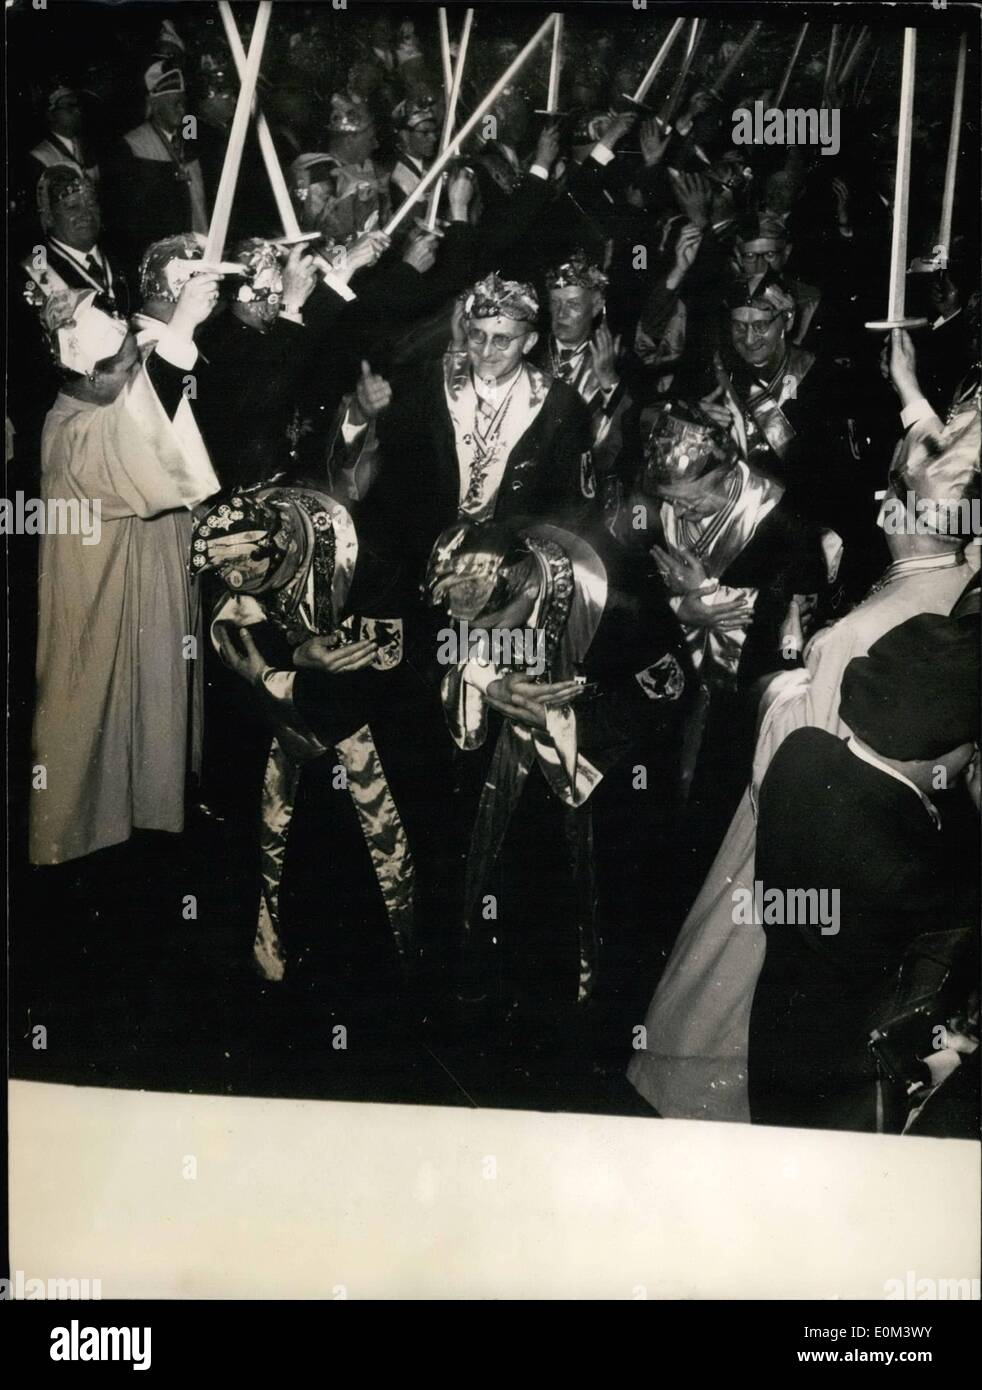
178 351
279 684
602 153
480 675
539 171
919 409
349 429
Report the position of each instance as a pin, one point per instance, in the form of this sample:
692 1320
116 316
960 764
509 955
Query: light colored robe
113 674
694 1063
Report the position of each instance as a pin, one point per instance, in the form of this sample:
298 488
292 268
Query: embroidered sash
484 445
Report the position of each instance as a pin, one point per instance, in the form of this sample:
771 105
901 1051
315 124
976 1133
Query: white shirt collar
866 755
79 257
940 320
495 391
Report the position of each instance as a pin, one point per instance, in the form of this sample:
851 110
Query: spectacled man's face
758 335
496 346
421 142
761 255
696 500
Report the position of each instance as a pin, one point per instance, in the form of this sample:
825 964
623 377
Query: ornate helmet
57 183
578 271
477 569
348 117
414 112
494 297
163 262
264 278
681 442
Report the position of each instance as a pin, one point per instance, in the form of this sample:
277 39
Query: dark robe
829 820
418 487
575 875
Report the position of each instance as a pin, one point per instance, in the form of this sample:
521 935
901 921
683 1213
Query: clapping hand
335 656
604 348
527 701
694 194
683 573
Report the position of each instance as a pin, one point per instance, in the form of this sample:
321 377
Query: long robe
694 1064
113 668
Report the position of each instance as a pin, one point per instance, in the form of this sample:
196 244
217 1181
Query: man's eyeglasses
753 327
501 342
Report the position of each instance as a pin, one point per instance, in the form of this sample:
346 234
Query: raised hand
686 250
603 352
373 392
547 148
198 297
299 279
617 129
460 191
715 406
420 253
694 195
898 362
653 143
458 329
363 251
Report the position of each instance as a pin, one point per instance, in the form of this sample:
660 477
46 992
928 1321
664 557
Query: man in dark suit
581 350
483 434
856 819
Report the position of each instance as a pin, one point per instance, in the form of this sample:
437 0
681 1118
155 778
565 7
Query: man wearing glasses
789 411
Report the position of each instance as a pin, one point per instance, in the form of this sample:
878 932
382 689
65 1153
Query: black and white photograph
492 527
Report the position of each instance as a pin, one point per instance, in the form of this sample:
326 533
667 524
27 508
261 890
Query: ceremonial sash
716 652
483 448
764 402
294 745
573 594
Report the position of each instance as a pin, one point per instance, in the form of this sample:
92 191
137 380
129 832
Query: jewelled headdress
769 292
264 279
414 112
348 117
494 297
579 271
475 569
682 442
57 183
157 270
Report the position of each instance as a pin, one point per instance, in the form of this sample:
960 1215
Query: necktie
96 271
565 364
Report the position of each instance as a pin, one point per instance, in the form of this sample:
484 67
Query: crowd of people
528 586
